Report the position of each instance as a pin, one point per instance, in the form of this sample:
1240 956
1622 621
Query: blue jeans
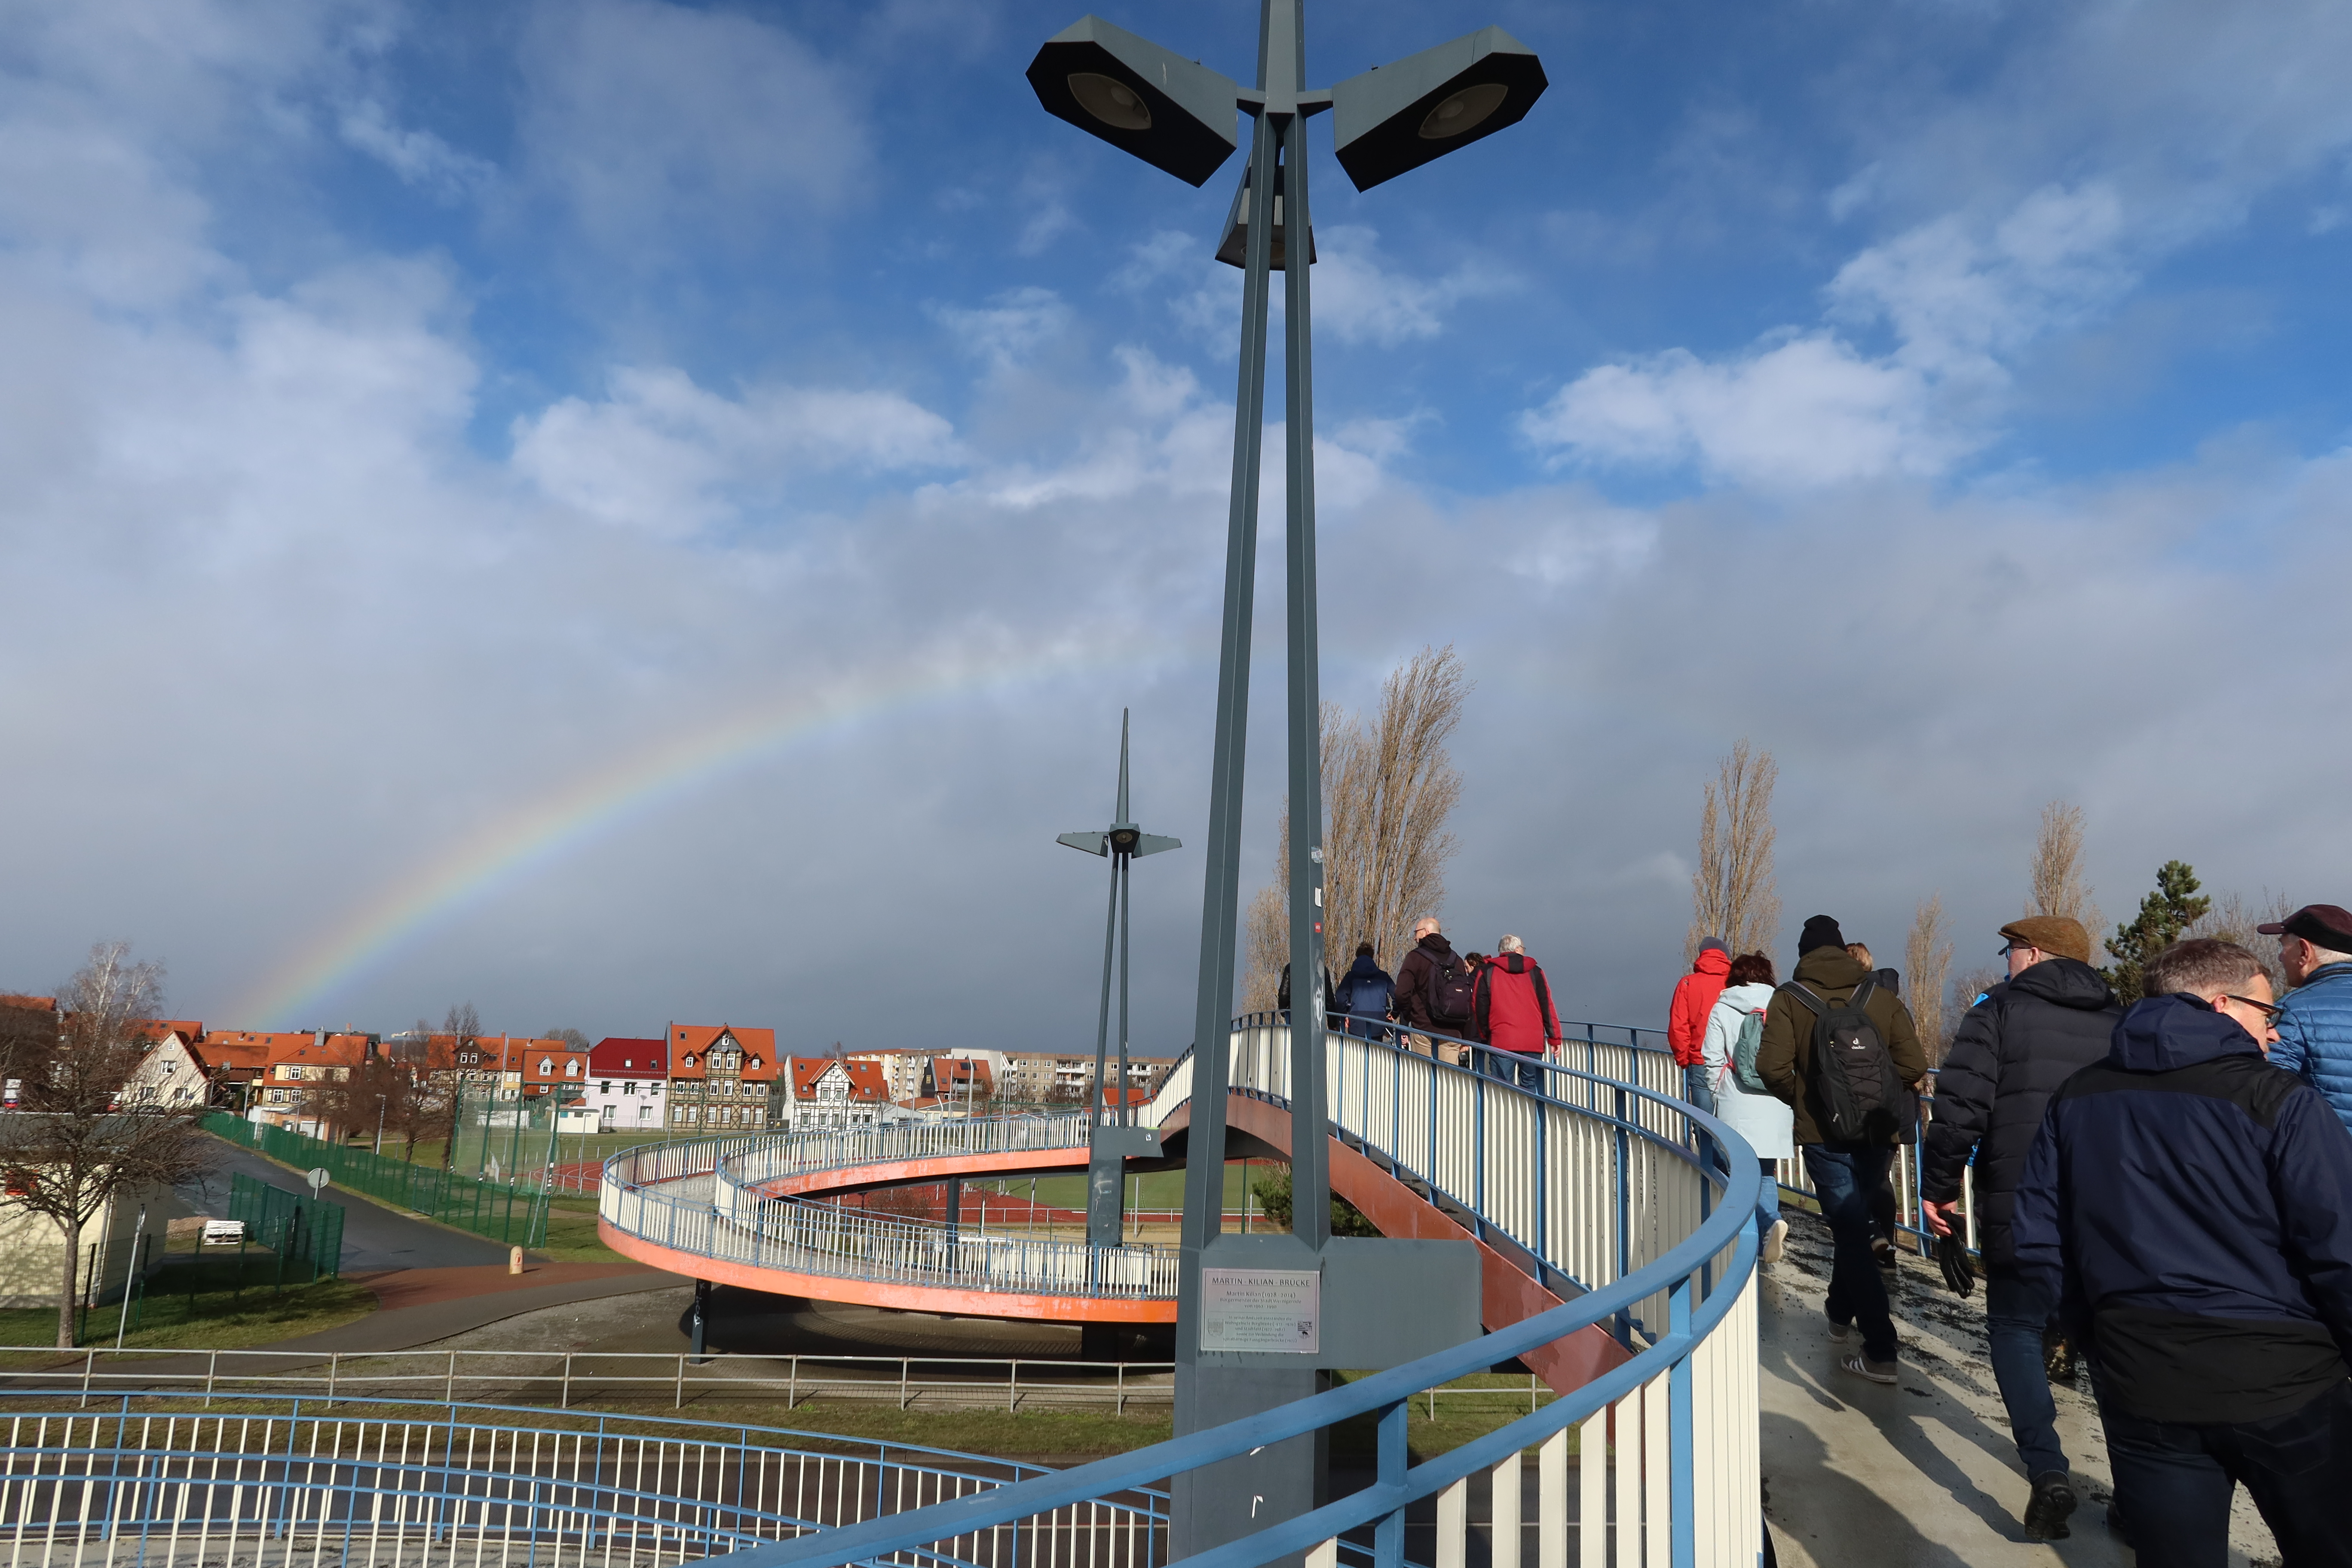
1696 1089
2016 1312
1768 1199
1846 1181
1504 1064
2173 1482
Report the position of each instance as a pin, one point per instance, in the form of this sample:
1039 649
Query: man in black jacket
2052 1017
1418 980
2190 1207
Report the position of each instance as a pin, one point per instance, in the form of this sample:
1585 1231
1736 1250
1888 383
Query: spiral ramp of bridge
1561 1192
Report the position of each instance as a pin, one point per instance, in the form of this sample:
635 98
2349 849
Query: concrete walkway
1926 1473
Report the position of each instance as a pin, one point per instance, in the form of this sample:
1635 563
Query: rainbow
545 830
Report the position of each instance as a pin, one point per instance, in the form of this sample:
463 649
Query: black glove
1960 1274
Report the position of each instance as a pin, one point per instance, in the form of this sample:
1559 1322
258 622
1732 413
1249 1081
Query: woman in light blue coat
1765 1121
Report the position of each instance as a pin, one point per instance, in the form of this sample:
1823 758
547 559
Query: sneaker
1838 1331
2046 1510
1776 1242
1882 1252
1880 1371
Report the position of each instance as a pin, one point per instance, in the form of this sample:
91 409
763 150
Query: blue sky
412 412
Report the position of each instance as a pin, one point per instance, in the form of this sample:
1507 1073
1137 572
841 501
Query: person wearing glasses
2314 1021
2052 1017
2188 1204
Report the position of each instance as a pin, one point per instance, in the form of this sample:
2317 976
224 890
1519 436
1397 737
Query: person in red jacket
1694 998
1512 1014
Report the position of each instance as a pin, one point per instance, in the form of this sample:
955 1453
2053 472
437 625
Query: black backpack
1859 1090
1453 990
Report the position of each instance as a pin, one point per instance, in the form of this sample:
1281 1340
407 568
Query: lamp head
1398 117
1173 113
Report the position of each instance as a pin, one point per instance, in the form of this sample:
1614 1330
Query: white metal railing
468 1484
567 1377
685 1197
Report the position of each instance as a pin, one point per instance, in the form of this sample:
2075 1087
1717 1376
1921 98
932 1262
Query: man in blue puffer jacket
2190 1207
2315 1022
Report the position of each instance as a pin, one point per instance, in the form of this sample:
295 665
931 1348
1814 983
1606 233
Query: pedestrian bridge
1617 1261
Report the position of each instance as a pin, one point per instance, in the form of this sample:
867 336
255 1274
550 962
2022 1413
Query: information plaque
1261 1310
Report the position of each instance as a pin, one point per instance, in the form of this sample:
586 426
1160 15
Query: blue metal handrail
1385 1393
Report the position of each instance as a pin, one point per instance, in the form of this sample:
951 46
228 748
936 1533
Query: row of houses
691 1078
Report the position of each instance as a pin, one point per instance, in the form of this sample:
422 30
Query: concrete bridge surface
1923 1475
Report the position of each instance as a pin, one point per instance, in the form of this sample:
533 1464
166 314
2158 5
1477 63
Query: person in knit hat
1844 1174
1694 997
2054 1017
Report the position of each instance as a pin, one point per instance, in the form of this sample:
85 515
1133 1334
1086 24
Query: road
374 1237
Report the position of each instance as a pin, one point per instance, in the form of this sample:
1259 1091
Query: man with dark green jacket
1844 1174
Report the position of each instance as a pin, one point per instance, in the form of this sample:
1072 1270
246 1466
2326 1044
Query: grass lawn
1153 1190
221 1316
1060 1436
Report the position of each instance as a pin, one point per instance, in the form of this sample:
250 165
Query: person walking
2188 1206
1511 1016
2052 1017
1687 1015
2314 1021
1884 1211
1843 1077
1366 994
1282 994
1753 1113
1435 986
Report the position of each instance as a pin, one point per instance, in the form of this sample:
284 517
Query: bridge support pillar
1223 1502
701 1317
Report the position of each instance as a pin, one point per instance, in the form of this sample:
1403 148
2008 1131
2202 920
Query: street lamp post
378 1126
1177 115
1113 1138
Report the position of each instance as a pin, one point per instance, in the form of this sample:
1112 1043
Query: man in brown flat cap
2315 1022
2052 1017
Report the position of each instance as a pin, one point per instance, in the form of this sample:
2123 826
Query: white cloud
1361 299
1010 327
1801 412
1806 407
658 125
418 157
661 454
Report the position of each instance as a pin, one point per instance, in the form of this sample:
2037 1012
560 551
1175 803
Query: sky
624 511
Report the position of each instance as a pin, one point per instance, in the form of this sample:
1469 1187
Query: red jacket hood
1714 960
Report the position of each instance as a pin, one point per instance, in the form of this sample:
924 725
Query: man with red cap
2315 1022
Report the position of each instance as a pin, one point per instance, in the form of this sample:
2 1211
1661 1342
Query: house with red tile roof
722 1078
626 1077
832 1091
297 1064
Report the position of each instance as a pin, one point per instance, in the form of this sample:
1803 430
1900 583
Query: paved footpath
1925 1473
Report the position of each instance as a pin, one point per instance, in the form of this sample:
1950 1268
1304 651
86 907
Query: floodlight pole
1170 112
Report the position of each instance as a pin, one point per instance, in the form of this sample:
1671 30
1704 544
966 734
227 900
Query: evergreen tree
2163 916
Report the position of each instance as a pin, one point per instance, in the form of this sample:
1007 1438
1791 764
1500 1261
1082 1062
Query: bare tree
29 1032
579 1042
1731 892
2058 887
1926 962
1389 786
70 1152
2232 919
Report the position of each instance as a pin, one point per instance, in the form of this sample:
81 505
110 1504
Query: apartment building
831 1093
626 1077
722 1078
